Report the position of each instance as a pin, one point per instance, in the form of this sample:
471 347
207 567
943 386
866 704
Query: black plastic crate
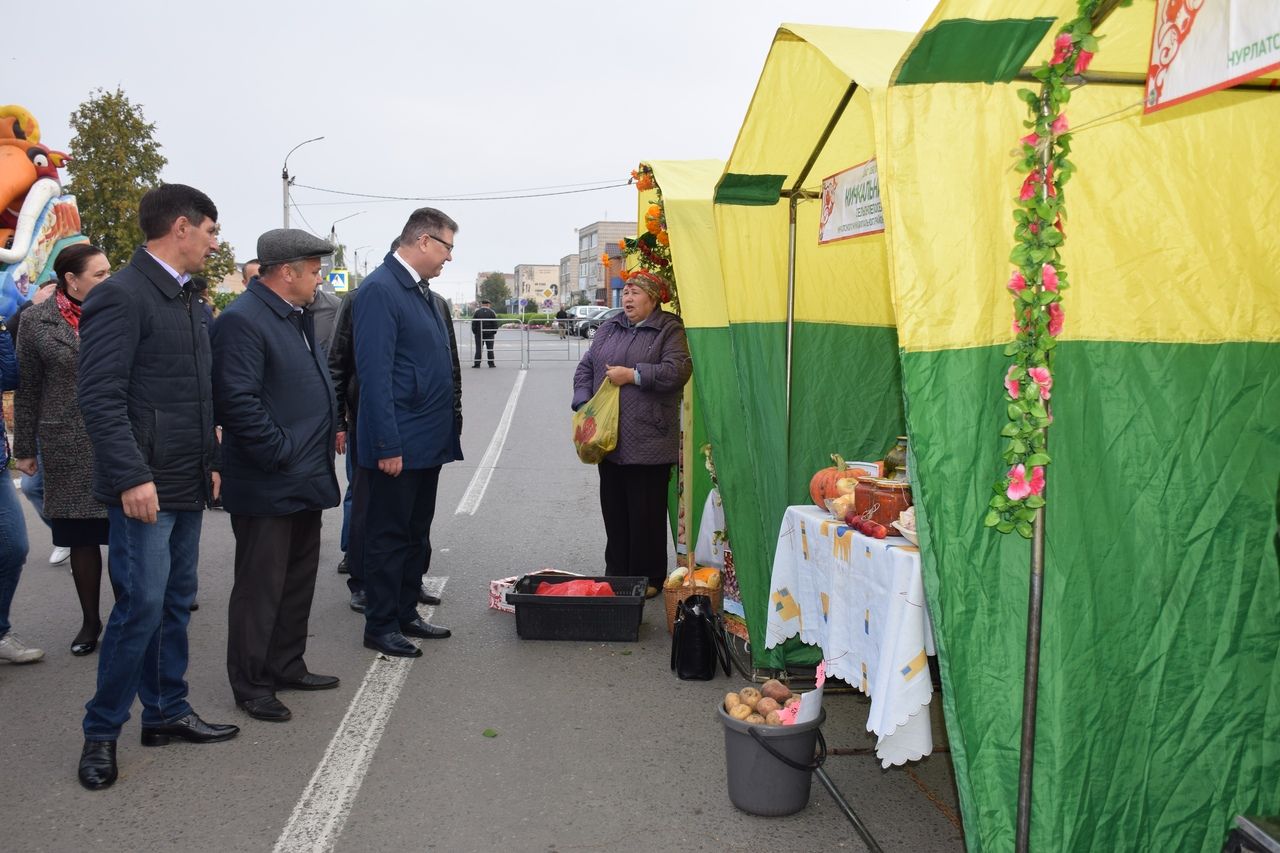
579 617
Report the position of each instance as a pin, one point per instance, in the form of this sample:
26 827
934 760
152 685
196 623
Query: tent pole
1035 610
791 299
1030 684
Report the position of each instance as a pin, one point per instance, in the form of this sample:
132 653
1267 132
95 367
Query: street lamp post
355 258
285 180
333 232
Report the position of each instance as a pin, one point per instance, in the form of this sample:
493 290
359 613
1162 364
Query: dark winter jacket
648 413
8 381
45 408
144 386
274 400
410 381
484 322
342 366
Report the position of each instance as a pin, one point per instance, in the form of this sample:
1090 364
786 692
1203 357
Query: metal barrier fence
523 344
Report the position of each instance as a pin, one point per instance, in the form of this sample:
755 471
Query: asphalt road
598 746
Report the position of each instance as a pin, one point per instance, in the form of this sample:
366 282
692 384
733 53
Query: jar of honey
893 496
864 495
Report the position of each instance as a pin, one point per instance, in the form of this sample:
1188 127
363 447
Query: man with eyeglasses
410 416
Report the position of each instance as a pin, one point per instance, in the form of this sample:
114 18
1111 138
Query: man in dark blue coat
144 390
274 399
410 416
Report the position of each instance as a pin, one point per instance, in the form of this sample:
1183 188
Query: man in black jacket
484 326
274 399
145 394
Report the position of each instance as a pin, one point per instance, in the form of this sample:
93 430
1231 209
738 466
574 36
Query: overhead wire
499 195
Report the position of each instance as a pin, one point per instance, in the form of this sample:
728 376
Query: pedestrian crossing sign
338 280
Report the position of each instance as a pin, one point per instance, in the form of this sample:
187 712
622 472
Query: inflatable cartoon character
36 220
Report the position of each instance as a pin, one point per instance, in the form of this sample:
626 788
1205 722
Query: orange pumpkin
827 482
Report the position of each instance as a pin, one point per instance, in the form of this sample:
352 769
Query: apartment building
594 240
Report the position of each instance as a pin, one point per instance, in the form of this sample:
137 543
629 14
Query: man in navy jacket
274 399
410 416
144 391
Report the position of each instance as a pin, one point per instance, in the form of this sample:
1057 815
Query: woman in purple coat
643 350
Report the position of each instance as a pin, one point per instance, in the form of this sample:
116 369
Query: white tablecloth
862 601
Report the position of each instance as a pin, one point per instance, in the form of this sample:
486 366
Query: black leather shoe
190 728
394 644
425 630
267 708
358 601
342 566
98 764
310 681
425 597
195 605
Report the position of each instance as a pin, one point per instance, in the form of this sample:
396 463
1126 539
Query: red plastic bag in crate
578 587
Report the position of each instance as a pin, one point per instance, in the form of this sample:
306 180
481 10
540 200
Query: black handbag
698 641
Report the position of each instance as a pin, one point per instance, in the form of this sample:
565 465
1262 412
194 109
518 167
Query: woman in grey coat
46 412
644 350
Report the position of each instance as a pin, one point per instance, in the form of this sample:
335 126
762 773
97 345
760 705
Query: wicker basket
674 595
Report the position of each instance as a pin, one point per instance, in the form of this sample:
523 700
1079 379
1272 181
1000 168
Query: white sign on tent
1200 47
851 204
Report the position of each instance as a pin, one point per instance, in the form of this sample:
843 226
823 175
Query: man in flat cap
274 398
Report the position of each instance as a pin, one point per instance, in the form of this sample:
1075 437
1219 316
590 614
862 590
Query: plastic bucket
771 767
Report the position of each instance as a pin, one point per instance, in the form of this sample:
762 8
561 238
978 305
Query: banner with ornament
1199 47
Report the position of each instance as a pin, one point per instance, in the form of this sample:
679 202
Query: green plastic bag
595 425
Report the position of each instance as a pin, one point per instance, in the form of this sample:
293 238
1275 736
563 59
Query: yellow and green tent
1159 710
806 330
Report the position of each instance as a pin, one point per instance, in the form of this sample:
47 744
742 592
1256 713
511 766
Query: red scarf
70 311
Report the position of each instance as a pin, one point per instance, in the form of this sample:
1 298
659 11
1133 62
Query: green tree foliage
220 264
222 300
494 288
115 159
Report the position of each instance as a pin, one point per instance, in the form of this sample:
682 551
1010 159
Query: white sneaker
14 650
58 555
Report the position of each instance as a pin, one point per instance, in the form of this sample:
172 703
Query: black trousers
488 343
397 545
359 514
276 561
633 501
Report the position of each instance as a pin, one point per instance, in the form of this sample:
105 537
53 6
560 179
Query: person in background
346 389
644 350
249 271
324 310
562 322
47 414
410 420
13 527
274 398
484 326
145 393
32 485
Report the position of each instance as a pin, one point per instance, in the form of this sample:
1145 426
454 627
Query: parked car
598 320
584 313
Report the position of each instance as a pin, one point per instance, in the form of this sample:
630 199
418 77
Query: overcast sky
419 99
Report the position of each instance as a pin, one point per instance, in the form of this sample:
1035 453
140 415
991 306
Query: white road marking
321 813
480 480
